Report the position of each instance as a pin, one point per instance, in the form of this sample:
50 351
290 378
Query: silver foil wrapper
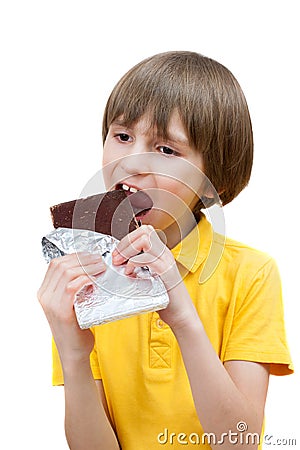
112 295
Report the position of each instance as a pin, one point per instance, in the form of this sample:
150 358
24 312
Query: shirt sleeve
258 331
57 372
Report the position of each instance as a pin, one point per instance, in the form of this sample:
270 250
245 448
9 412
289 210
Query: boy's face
168 170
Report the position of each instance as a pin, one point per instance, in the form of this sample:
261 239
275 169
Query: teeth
130 189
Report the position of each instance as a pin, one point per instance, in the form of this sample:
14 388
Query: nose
136 162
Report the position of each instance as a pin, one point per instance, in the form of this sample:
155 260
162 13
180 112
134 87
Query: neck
178 230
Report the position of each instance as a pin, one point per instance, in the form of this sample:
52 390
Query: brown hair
211 105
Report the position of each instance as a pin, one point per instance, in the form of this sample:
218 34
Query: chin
157 219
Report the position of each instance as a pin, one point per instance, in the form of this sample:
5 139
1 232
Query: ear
211 197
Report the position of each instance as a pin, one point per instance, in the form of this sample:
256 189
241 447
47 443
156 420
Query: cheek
182 176
172 197
108 167
106 154
176 186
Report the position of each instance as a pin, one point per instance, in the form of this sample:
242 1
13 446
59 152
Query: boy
203 363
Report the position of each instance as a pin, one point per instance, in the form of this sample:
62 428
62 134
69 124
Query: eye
166 150
123 137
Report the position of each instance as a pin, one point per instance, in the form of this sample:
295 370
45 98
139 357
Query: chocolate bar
111 213
107 213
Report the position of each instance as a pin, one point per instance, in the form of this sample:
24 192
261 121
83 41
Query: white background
59 62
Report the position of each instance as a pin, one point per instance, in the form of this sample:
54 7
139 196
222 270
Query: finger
163 264
65 294
143 244
130 238
72 260
71 266
145 259
74 286
146 242
129 269
89 270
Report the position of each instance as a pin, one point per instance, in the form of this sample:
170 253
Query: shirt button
159 323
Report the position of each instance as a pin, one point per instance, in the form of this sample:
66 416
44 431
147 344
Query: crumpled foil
112 295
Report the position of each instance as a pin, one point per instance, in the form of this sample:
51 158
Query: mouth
140 201
129 190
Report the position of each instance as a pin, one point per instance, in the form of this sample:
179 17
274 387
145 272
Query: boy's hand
143 247
64 278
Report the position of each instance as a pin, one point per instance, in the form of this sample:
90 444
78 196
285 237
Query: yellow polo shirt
237 293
